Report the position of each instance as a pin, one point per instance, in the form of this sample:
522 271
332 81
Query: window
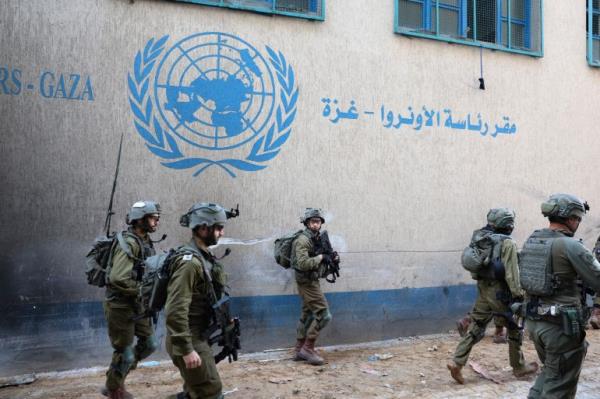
510 25
593 17
311 9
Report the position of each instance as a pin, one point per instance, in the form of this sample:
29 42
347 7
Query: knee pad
125 360
145 347
323 319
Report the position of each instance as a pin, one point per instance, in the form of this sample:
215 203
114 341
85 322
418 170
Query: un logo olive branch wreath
162 143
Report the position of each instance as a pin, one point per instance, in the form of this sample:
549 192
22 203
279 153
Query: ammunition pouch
572 319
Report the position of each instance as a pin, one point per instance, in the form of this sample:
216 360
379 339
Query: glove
336 258
326 259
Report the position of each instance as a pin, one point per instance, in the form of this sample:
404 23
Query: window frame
427 33
266 11
590 11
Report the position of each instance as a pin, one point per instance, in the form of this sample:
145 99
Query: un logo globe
214 91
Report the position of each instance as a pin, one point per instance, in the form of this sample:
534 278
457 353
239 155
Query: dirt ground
412 367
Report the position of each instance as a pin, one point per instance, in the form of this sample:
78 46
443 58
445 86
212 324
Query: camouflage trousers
315 310
483 312
122 330
201 382
562 356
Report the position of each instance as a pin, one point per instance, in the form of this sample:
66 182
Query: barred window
311 9
593 17
511 25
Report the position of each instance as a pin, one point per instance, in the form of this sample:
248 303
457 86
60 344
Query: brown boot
299 345
455 372
119 393
529 368
308 353
463 325
595 319
499 336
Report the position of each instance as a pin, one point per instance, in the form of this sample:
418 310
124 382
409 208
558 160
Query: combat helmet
564 206
204 213
141 209
310 213
501 218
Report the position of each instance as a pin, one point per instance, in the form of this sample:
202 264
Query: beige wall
388 191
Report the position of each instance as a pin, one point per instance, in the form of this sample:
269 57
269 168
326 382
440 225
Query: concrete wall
401 202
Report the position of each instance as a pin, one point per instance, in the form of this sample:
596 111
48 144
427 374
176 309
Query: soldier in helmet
497 286
122 303
309 267
552 262
595 316
197 280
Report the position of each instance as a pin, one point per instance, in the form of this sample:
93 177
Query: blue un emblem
212 99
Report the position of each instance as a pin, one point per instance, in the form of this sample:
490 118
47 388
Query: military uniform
595 317
194 282
308 269
122 305
498 286
493 296
197 282
561 351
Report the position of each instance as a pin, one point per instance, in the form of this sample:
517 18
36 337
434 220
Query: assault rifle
323 247
515 317
228 329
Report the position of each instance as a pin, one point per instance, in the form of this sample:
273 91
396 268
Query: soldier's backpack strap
126 248
187 250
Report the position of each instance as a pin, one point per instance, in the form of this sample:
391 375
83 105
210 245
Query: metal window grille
593 19
514 25
312 9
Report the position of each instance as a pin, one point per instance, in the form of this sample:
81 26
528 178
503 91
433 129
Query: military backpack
155 280
482 257
99 258
282 250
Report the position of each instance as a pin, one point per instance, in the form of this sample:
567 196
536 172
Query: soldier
122 304
309 267
552 262
462 325
498 286
197 282
595 317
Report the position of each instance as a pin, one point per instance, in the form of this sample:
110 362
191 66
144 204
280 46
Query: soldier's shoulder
302 238
186 261
131 239
509 243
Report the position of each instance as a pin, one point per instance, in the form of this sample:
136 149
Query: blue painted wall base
48 337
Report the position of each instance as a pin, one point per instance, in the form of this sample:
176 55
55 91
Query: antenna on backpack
110 212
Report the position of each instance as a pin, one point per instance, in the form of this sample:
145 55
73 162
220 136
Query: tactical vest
535 264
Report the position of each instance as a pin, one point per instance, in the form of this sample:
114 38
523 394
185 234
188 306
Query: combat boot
595 319
499 336
309 353
299 345
463 325
529 368
455 372
119 393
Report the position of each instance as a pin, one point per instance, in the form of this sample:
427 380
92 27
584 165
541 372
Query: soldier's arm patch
187 257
